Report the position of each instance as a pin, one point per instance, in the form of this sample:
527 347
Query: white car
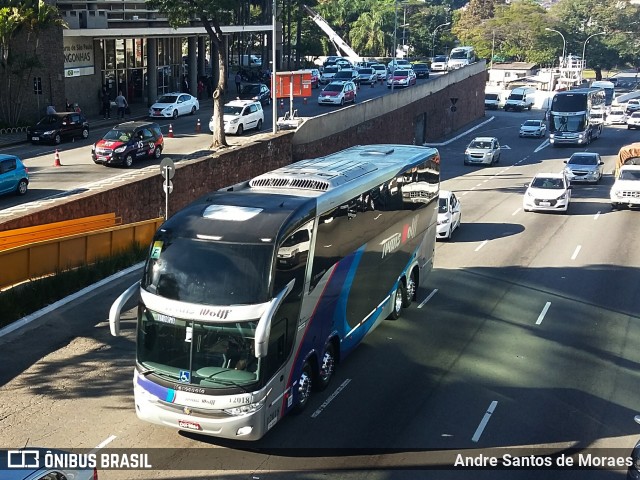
533 128
172 105
626 189
449 214
439 63
328 73
241 115
338 93
482 151
633 121
617 117
381 71
547 192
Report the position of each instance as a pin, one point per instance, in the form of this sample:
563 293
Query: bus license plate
189 425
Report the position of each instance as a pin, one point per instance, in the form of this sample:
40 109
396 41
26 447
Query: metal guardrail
13 130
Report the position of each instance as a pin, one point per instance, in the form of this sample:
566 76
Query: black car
127 142
421 70
57 126
256 91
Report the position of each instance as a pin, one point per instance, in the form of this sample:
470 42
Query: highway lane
79 171
528 341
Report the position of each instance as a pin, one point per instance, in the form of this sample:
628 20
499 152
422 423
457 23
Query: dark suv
56 126
347 75
127 142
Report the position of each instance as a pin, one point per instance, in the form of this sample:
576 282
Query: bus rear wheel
410 291
327 367
303 389
396 300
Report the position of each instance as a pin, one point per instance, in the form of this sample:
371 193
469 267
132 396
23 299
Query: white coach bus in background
251 295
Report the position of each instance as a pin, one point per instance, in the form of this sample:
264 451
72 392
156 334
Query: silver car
533 128
482 151
584 167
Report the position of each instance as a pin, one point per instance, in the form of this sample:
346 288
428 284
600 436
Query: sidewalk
139 111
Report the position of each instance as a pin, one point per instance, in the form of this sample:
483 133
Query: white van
461 56
519 99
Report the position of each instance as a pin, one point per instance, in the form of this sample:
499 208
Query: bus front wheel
410 291
304 388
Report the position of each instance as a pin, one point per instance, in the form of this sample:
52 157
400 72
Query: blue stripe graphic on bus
341 308
163 393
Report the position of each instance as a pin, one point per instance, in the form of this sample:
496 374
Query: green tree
212 14
24 20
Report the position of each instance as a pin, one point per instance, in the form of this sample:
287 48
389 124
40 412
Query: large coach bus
609 91
251 295
569 116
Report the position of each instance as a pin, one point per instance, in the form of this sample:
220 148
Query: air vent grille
287 183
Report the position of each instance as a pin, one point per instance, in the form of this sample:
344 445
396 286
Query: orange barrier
38 233
56 159
35 260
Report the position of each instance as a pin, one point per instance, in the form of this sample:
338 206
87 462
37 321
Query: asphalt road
527 344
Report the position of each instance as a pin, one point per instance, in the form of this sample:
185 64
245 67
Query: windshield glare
229 110
117 135
168 99
583 160
215 355
547 183
208 272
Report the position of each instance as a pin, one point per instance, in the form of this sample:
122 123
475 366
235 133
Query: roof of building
514 66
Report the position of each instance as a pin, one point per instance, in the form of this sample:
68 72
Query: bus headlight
245 409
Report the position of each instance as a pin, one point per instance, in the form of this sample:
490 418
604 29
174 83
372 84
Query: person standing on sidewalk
122 105
106 103
238 82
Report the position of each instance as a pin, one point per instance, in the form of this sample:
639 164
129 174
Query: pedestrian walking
238 82
106 103
68 106
200 89
122 104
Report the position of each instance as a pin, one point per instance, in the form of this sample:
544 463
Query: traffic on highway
523 340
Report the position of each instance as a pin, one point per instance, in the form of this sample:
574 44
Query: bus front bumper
242 427
568 140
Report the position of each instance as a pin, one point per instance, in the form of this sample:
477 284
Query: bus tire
410 291
396 302
327 367
303 388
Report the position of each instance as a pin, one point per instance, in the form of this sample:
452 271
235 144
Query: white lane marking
331 397
481 245
485 420
435 290
466 132
505 147
542 145
514 213
463 194
575 253
597 215
104 443
543 313
485 181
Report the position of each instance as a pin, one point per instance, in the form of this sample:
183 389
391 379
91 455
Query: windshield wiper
226 382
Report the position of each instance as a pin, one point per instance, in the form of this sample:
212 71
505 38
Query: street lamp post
564 43
395 43
433 38
584 51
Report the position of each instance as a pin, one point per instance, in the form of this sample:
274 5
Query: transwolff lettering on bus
221 313
391 244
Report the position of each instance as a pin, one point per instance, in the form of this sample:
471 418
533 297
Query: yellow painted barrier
37 233
46 257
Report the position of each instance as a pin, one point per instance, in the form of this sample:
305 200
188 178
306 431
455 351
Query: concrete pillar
193 65
202 45
152 71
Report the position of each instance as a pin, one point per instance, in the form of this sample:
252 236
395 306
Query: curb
24 321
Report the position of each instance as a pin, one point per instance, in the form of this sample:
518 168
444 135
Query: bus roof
263 207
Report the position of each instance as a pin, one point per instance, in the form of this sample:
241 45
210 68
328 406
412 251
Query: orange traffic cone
170 131
198 126
56 162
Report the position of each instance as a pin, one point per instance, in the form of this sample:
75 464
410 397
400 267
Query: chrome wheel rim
327 367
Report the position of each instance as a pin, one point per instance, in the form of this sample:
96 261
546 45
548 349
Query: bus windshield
564 123
208 272
214 355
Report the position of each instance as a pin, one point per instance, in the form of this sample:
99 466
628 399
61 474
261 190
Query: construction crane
342 48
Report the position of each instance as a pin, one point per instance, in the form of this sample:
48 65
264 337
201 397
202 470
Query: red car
127 142
338 93
401 78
